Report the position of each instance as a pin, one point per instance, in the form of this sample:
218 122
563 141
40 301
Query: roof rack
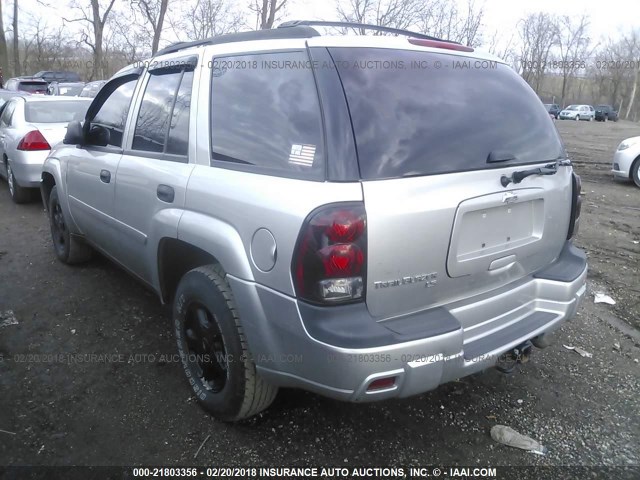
364 26
292 29
294 32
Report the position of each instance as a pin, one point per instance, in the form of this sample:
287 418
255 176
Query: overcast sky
608 17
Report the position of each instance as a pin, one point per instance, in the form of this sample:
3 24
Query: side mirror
74 135
98 136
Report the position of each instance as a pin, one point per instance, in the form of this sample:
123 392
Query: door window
162 125
113 112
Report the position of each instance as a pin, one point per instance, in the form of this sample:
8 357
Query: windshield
420 121
55 112
572 107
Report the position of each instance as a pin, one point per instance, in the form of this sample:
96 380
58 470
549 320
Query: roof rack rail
301 31
364 26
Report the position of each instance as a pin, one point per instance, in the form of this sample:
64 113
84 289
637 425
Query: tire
213 348
606 118
635 172
577 118
18 194
69 249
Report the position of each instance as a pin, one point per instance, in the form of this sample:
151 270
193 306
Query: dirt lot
139 410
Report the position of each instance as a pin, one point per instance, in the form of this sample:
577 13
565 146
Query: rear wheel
18 194
68 248
213 348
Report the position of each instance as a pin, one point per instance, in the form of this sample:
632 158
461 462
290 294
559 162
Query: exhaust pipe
520 354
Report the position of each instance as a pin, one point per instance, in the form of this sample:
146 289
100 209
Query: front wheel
635 172
18 194
213 348
68 249
577 118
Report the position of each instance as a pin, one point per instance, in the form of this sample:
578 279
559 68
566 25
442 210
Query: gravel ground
137 410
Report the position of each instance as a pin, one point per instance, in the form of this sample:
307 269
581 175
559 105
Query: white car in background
29 127
626 160
578 112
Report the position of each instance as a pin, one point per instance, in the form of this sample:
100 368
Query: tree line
555 54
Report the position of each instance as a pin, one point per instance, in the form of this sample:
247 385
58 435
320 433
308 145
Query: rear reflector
440 44
382 383
32 141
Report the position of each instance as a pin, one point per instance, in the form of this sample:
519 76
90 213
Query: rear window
421 113
55 112
33 87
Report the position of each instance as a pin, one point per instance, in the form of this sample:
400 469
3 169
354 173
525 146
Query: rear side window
265 115
162 125
113 112
411 118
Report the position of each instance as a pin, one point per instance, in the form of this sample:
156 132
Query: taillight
33 140
576 205
329 263
440 44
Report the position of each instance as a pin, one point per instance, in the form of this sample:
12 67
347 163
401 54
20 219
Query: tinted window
410 120
267 114
178 143
163 114
113 113
33 87
153 118
55 112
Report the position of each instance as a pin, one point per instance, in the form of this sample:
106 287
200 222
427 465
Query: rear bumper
27 168
339 351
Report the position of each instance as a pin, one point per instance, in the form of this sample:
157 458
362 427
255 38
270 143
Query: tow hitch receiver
520 354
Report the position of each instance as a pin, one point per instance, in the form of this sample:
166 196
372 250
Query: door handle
105 176
165 193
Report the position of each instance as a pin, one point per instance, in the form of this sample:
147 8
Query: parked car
605 113
26 84
626 160
58 76
29 128
65 89
310 236
6 95
91 89
553 109
577 112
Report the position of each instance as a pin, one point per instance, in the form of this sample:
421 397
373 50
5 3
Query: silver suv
323 212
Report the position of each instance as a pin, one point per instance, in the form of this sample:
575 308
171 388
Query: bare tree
208 18
4 54
632 43
538 35
443 19
154 12
95 19
385 13
16 50
573 46
266 12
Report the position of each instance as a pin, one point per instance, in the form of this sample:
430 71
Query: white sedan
29 127
626 160
578 112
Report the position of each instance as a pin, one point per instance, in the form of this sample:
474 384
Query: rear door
435 133
154 170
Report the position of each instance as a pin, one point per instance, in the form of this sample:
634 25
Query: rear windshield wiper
517 177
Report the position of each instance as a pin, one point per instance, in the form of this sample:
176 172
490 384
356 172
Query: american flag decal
302 154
